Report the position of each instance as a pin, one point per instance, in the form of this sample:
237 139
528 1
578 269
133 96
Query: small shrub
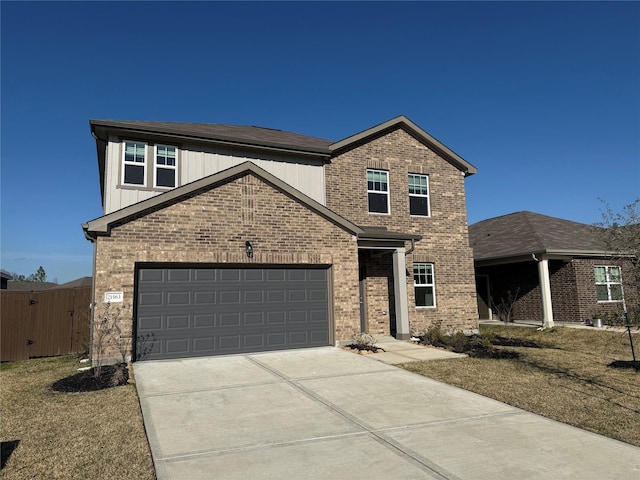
364 341
458 342
434 336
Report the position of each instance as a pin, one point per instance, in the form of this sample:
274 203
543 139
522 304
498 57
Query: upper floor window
424 285
134 163
418 195
608 284
165 169
378 191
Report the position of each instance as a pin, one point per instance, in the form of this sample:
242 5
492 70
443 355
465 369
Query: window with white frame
608 284
134 161
378 191
165 169
424 285
418 195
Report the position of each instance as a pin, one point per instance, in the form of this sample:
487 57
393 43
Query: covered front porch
383 278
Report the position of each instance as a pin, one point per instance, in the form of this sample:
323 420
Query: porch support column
545 290
400 294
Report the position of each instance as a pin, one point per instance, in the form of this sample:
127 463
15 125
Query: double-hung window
424 285
608 284
418 195
134 163
378 191
165 166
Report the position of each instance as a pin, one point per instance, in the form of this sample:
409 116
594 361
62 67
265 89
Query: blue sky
543 98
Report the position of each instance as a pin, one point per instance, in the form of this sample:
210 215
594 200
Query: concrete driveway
324 413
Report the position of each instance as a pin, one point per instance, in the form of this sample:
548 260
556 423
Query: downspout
413 247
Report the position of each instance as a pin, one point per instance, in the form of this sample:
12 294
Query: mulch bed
473 345
365 348
110 376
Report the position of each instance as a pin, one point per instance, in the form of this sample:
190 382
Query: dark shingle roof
78 282
246 135
23 286
524 233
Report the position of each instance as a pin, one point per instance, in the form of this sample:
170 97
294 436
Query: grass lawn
97 435
565 376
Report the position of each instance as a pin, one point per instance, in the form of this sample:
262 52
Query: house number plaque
114 297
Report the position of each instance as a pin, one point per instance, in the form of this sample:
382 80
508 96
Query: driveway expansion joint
397 448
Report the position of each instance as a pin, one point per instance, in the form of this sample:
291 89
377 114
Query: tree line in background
39 276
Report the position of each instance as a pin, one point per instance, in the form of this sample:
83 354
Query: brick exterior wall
573 290
445 236
211 227
587 303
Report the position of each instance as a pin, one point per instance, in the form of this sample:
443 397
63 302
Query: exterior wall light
249 249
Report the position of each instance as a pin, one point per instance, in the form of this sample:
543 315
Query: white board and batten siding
304 174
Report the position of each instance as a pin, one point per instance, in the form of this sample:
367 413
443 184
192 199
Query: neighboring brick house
229 239
560 270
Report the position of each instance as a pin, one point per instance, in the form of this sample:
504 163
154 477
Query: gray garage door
192 312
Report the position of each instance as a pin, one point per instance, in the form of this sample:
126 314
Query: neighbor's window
134 163
608 284
424 285
166 172
418 195
378 191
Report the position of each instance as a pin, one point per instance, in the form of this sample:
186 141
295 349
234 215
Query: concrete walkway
325 413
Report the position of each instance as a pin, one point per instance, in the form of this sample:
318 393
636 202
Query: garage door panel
149 323
177 321
297 275
203 275
297 316
204 345
230 275
276 318
256 275
253 319
317 275
253 296
318 295
177 346
229 319
150 299
229 297
229 342
276 340
297 295
150 275
276 296
212 311
178 298
206 297
204 320
178 275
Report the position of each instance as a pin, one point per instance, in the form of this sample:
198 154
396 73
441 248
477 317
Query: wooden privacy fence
44 323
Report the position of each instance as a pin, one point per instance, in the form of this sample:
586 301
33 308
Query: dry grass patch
97 435
566 377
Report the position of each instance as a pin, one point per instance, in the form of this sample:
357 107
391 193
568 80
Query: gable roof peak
412 129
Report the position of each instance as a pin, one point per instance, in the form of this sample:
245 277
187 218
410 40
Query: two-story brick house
229 239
